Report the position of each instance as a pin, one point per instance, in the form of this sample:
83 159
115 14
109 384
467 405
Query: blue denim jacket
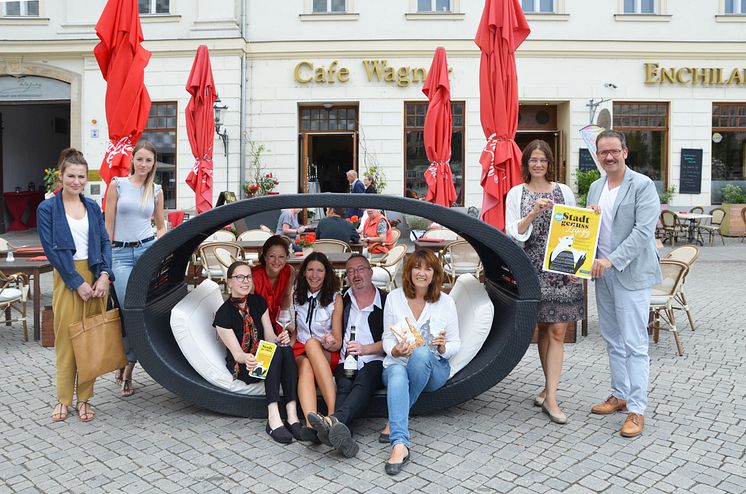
59 246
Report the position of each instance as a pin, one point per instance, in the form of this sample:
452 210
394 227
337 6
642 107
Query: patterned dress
561 299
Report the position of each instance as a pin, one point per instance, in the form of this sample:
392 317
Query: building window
161 131
331 6
29 8
538 6
645 125
415 159
328 119
639 6
728 142
153 6
433 5
735 7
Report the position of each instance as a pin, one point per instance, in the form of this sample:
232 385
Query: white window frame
152 9
537 5
23 11
638 8
433 4
329 8
739 8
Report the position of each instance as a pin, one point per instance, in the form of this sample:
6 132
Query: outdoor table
338 259
251 246
17 203
23 251
436 245
33 268
692 219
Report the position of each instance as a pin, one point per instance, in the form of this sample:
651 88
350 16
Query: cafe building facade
331 85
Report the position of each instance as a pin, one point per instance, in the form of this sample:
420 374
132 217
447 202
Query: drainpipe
243 105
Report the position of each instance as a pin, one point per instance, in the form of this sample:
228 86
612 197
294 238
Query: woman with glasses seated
527 219
241 322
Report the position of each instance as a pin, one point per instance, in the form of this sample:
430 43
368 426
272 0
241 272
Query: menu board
586 161
690 176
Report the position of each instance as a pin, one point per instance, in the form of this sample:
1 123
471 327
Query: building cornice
159 48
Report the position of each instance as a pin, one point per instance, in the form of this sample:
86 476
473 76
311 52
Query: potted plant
584 179
666 196
417 225
51 181
734 199
259 182
305 241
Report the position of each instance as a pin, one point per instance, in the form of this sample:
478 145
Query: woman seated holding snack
420 334
274 277
318 321
241 322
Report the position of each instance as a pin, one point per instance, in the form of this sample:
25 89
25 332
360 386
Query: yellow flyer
264 353
572 241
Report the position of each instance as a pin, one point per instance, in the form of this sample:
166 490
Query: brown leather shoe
633 426
611 405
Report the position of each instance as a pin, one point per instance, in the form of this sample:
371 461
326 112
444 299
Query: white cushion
9 294
191 323
380 277
475 313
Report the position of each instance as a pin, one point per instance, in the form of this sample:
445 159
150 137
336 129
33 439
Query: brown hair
418 258
148 189
235 265
273 241
70 156
537 145
612 134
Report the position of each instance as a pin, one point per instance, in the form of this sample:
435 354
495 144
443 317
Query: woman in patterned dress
528 214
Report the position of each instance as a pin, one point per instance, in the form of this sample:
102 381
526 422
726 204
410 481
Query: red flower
354 218
311 237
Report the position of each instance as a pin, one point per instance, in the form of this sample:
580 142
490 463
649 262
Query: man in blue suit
626 267
356 187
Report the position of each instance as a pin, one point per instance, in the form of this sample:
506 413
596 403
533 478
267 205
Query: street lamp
218 106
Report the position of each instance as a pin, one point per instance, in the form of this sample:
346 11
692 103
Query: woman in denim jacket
72 233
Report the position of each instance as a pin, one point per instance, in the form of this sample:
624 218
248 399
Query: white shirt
513 212
321 322
79 229
359 318
397 308
606 203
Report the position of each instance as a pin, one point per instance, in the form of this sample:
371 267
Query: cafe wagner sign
704 76
375 71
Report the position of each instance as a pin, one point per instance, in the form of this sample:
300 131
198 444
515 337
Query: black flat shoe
309 435
384 438
281 434
295 429
395 468
320 426
341 440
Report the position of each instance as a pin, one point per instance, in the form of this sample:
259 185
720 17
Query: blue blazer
59 246
636 211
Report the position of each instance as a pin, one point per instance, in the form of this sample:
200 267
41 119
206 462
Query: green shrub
667 194
733 194
584 179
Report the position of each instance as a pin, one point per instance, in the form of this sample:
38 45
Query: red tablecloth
17 203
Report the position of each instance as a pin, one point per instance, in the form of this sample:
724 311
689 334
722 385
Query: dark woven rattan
158 283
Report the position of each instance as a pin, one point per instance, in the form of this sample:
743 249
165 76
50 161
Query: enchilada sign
572 241
704 76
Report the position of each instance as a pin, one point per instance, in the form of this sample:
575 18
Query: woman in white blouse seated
409 370
318 323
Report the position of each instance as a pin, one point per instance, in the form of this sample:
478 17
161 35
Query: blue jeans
423 372
123 260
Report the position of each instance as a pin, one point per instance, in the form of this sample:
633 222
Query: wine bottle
350 366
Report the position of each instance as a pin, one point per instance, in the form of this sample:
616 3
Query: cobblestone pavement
694 439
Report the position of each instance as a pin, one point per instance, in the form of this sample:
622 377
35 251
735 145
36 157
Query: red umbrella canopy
122 60
440 189
200 124
501 31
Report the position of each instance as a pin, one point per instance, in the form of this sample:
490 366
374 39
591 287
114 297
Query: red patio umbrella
200 124
122 60
440 189
501 31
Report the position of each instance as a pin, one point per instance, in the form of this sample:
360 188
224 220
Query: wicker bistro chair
460 257
718 215
687 254
663 299
672 227
386 269
396 234
330 246
257 234
267 229
14 290
217 257
441 233
698 223
743 218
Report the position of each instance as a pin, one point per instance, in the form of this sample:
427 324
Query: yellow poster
572 241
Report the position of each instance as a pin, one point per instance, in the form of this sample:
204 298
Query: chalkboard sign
690 177
586 160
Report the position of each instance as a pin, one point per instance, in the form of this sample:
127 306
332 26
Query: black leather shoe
281 434
384 438
395 468
295 429
320 426
341 440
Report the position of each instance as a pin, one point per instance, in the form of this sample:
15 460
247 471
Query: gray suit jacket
636 212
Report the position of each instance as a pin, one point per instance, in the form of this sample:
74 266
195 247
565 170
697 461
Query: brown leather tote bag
97 343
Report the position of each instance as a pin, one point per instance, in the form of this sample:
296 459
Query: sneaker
611 405
341 439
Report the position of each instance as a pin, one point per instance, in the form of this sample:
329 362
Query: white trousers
623 317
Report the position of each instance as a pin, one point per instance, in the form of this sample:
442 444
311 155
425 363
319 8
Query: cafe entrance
540 122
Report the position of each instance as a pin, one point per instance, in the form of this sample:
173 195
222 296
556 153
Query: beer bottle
350 365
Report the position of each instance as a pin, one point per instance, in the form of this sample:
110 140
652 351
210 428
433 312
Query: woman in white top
408 371
132 203
528 216
318 324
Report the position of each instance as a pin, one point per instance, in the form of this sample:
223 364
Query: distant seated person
411 194
337 228
289 226
377 233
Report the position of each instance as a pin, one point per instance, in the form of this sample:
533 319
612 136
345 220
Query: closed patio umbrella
122 61
440 189
502 29
200 124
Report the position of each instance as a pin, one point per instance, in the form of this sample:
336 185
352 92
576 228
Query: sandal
118 374
59 416
85 412
127 389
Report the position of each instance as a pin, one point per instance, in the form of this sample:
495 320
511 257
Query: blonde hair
148 188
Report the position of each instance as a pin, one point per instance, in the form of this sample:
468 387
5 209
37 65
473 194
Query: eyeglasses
538 161
611 152
358 270
241 277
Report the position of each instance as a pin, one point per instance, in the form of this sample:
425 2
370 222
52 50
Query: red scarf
274 295
250 340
